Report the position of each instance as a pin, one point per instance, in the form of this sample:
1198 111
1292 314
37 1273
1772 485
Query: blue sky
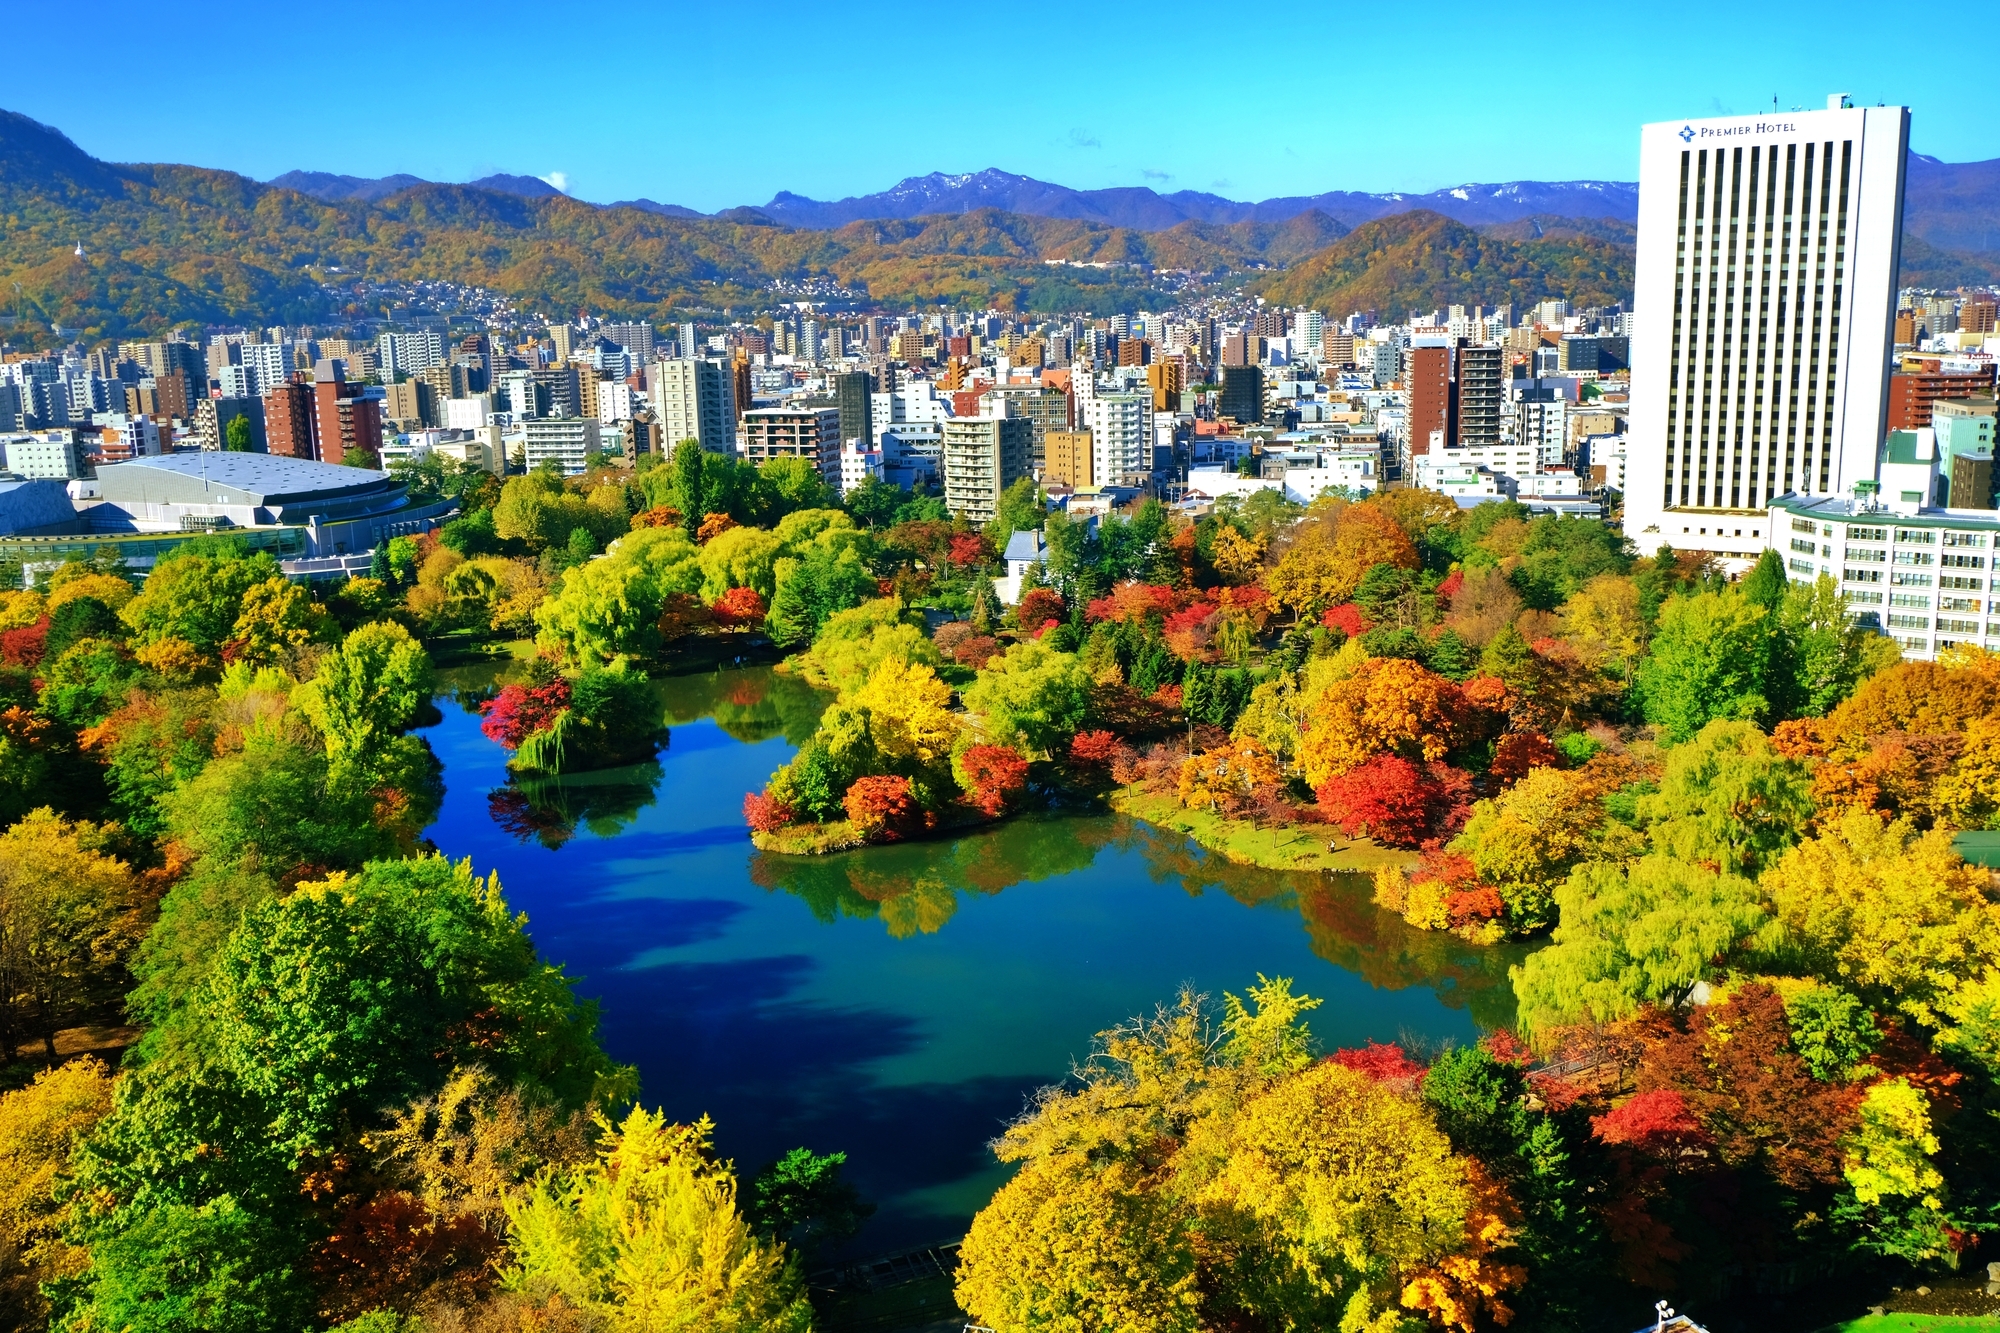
718 104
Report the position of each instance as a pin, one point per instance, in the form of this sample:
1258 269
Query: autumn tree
40 1128
649 1235
1387 706
67 923
1331 550
362 699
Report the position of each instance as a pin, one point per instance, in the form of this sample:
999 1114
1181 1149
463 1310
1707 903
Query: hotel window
1903 580
1958 581
1916 536
1909 599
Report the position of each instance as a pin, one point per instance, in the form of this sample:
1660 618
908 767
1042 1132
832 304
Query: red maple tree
995 772
519 711
739 607
882 809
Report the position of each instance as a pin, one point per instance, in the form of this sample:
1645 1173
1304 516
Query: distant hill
1147 210
331 188
1424 261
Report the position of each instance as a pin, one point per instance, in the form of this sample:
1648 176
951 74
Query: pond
898 1003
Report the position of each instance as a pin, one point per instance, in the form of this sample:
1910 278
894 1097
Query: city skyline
708 134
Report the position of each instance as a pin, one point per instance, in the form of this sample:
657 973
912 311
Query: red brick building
1913 393
344 420
288 420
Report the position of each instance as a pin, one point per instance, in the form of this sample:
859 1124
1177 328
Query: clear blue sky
717 104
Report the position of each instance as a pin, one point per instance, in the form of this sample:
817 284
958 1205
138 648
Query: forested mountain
1421 261
164 245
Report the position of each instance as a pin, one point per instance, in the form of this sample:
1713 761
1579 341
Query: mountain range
164 244
1952 205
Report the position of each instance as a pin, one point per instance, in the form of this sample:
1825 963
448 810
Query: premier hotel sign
1689 133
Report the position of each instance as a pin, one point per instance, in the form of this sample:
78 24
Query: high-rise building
564 338
687 348
344 419
1068 460
1428 383
1914 393
983 456
794 432
1243 394
570 443
694 401
634 338
854 390
288 420
1166 379
1764 294
1479 384
1121 435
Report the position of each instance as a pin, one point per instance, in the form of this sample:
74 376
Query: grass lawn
1915 1323
1299 848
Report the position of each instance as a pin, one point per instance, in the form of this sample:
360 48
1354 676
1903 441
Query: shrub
882 808
766 813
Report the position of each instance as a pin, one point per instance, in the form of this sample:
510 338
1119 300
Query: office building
345 418
1121 434
568 442
1167 379
1068 460
1765 293
853 391
410 403
1915 392
694 400
794 432
983 456
1597 353
1243 394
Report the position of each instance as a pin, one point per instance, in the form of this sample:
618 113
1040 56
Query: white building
1765 295
1121 436
568 442
43 453
857 465
407 353
695 400
472 413
615 401
267 365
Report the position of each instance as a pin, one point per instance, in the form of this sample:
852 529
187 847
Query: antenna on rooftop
1665 1313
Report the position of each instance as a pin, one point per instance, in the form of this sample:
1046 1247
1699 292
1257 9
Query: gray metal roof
29 505
212 477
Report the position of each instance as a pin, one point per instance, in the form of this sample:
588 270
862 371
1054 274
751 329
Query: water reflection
914 888
896 1003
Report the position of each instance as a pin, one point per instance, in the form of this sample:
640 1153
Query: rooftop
1843 507
212 477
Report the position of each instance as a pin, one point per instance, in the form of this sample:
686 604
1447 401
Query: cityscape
999 756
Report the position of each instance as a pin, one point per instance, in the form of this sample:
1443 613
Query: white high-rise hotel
1765 300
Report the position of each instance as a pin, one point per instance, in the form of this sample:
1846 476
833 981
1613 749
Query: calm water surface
898 1003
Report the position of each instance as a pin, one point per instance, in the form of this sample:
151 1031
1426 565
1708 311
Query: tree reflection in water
913 889
750 705
549 810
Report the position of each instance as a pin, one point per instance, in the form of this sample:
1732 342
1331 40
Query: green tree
237 438
196 597
83 685
791 484
612 606
1708 661
1031 696
875 502
539 511
688 459
811 589
1817 651
1728 798
801 1200
1021 509
1643 934
365 694
741 558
